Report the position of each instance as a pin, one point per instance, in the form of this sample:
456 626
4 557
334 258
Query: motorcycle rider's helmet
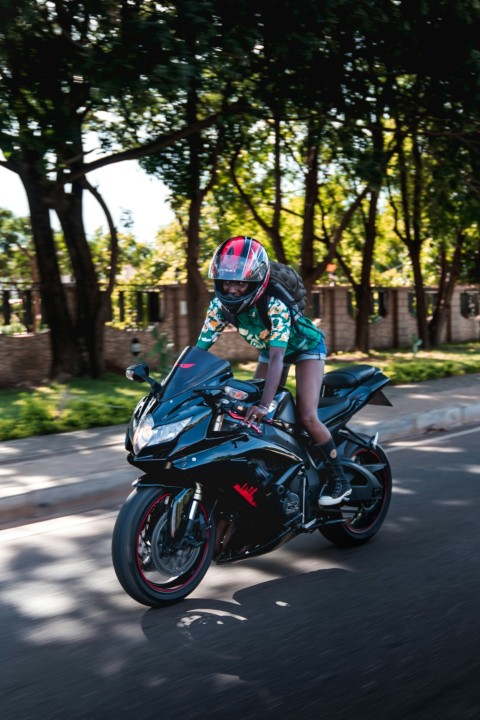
243 259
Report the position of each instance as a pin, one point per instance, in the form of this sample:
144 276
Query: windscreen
194 367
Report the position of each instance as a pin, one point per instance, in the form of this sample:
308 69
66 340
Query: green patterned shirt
300 335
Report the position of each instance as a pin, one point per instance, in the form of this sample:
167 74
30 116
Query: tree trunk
274 231
422 320
197 295
307 259
448 280
64 348
271 227
363 291
363 304
90 304
309 271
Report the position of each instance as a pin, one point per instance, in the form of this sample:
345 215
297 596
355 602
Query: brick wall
26 358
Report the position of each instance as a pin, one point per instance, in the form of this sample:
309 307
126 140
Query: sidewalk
61 474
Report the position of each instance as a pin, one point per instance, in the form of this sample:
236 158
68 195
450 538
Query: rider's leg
309 374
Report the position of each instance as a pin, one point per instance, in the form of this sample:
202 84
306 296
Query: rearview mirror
139 373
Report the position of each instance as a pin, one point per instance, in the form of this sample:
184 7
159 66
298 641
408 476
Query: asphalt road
390 630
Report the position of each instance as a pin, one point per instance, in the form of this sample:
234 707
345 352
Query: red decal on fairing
185 366
247 492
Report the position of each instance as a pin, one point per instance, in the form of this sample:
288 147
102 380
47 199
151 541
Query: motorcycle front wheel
362 520
151 566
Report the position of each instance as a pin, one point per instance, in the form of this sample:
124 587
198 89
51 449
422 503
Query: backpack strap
229 316
262 307
280 292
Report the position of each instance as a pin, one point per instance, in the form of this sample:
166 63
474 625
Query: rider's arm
275 369
274 374
213 325
277 345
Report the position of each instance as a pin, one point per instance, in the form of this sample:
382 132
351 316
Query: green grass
75 405
83 403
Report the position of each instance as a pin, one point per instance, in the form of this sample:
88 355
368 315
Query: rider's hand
255 414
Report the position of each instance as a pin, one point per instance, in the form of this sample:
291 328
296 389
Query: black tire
362 520
149 568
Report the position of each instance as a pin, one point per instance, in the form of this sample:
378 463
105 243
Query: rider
240 269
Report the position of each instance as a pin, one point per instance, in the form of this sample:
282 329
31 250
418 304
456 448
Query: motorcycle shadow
274 644
256 619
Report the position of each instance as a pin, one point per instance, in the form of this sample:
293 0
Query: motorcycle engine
291 503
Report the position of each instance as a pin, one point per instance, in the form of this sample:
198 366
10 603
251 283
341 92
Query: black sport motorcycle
214 488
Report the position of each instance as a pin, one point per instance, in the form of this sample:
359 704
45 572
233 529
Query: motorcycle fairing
195 367
232 449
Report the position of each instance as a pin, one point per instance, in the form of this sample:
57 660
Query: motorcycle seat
330 407
346 378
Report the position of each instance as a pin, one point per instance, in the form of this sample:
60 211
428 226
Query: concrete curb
419 424
72 495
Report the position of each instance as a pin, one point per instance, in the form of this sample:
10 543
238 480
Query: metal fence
130 306
137 307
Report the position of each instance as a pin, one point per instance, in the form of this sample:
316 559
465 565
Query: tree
276 94
218 42
109 56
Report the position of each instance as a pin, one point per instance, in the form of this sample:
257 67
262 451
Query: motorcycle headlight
137 412
147 434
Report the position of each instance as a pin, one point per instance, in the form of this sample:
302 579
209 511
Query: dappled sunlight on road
307 626
396 490
45 579
454 503
437 449
46 576
59 591
475 469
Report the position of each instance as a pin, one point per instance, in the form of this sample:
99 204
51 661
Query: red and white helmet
243 259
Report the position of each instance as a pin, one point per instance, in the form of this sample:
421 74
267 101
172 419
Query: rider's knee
308 419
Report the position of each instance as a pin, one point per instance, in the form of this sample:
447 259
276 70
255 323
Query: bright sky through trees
124 186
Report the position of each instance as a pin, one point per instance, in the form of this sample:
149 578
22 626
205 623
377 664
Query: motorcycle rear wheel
363 520
152 568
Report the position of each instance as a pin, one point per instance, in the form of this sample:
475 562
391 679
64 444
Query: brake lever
253 426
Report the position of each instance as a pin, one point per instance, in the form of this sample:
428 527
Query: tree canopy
342 132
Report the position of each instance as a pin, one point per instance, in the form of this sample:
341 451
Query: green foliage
35 414
15 328
356 87
75 405
169 255
17 257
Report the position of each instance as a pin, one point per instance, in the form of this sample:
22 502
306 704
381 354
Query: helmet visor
244 261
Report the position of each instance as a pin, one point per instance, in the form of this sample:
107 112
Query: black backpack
285 284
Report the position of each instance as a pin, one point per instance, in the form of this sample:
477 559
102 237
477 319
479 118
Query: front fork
180 532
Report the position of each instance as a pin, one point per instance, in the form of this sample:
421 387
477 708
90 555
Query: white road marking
404 444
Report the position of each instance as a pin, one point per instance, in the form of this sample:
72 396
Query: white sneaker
334 496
